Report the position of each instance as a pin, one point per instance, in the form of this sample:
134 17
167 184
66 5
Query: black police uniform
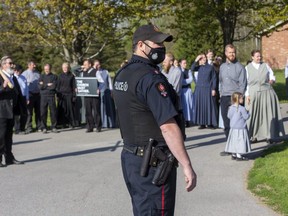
144 100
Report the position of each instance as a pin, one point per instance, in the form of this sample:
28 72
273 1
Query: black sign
87 86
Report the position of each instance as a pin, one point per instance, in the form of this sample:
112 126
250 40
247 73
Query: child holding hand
238 140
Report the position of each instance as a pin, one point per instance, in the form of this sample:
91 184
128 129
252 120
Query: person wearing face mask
205 93
147 110
261 100
9 91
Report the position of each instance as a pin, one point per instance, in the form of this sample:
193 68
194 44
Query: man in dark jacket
92 104
8 101
47 85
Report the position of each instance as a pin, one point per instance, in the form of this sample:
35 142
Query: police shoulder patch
161 89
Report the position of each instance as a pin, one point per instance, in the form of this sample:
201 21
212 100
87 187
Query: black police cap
151 33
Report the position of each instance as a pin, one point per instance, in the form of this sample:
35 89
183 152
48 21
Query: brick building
274 45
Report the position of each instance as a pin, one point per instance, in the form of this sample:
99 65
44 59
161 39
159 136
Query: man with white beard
8 100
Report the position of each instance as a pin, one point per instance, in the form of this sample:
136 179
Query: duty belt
137 150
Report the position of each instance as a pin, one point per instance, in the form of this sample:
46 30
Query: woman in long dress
261 100
186 93
205 93
108 113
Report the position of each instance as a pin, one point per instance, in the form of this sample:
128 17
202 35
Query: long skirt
238 141
205 107
108 113
265 121
187 104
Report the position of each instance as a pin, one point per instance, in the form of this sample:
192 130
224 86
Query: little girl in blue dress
238 140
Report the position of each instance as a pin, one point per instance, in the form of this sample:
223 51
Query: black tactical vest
137 123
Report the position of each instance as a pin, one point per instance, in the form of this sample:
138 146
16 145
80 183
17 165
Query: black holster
164 168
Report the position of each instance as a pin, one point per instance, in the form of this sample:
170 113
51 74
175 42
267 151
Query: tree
217 22
75 26
275 12
196 32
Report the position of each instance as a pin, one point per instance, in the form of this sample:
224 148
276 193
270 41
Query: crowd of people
203 107
155 105
40 92
216 85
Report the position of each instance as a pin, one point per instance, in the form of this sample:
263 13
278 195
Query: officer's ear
141 46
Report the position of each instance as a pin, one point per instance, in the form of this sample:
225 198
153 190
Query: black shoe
15 162
98 130
233 157
241 158
254 140
89 130
211 127
269 141
224 153
201 127
2 165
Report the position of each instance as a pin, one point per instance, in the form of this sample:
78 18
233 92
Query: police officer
147 108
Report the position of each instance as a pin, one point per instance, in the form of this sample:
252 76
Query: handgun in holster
164 168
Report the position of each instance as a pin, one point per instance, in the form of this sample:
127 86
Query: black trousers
66 110
225 102
93 112
147 198
20 120
6 133
34 105
48 101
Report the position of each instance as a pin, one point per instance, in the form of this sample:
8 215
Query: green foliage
275 11
214 24
75 29
268 178
279 86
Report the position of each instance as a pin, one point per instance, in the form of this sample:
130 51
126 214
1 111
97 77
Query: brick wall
275 48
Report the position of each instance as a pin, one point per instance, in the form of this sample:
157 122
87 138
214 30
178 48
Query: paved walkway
77 174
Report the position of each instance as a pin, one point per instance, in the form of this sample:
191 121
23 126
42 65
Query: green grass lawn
268 179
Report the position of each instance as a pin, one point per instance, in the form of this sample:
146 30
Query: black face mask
156 55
